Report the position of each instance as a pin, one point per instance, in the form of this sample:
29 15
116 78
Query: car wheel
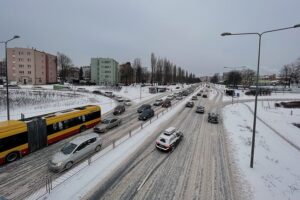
98 148
68 165
12 157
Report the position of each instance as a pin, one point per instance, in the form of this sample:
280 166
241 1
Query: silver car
107 123
74 151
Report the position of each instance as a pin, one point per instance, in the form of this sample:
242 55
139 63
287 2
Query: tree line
288 74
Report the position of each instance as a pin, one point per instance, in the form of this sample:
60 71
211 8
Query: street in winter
149 100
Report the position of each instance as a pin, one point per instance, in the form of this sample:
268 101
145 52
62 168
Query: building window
29 59
21 72
28 53
21 66
29 66
29 72
107 72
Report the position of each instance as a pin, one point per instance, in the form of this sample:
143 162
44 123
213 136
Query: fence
50 184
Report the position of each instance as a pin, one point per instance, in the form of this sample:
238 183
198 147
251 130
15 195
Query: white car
127 102
119 99
170 96
169 139
74 151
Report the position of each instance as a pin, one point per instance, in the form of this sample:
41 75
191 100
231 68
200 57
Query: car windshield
105 121
68 148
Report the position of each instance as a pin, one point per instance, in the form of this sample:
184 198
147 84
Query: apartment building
104 71
30 66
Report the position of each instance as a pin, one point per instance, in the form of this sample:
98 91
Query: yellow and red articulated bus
21 137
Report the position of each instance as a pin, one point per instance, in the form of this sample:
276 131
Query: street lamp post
257 76
6 66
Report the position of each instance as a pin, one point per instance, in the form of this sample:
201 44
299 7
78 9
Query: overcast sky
187 32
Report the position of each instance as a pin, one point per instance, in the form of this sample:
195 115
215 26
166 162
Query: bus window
83 118
60 126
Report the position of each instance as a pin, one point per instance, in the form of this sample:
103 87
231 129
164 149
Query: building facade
86 73
29 66
104 71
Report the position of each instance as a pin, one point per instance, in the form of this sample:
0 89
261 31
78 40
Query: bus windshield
68 148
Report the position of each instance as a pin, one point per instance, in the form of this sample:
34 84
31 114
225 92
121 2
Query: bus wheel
12 157
68 165
82 129
98 148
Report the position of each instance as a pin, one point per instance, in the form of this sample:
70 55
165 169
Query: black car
213 118
189 104
143 107
146 114
200 109
166 103
119 110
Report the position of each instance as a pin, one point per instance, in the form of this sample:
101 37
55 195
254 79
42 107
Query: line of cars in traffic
83 146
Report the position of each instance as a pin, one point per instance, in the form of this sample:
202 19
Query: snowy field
276 172
32 102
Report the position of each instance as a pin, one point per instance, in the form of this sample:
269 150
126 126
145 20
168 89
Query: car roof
170 129
110 118
78 140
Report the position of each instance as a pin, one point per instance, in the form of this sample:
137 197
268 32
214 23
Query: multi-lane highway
197 169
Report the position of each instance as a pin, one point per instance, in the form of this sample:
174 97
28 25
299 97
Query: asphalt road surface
199 168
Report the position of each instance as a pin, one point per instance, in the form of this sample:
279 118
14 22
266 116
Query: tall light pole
6 66
257 76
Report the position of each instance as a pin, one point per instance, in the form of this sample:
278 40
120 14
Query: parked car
179 97
169 139
200 109
82 90
199 94
127 102
143 107
119 110
119 99
189 104
166 103
170 96
213 118
106 124
109 94
194 98
204 95
158 102
146 114
96 92
74 151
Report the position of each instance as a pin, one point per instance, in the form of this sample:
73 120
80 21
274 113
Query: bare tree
153 66
159 70
215 78
248 77
138 70
64 63
286 74
174 74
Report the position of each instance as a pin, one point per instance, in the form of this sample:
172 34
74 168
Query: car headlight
58 164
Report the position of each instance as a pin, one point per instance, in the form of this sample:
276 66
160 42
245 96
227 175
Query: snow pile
276 172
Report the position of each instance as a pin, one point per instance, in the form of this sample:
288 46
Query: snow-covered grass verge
276 172
33 103
77 186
